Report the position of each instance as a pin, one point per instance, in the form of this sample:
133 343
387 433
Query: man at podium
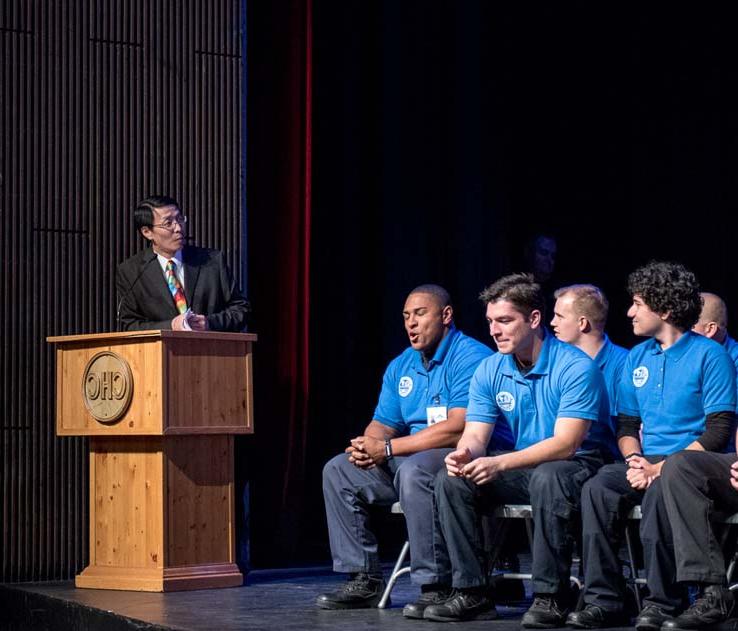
171 285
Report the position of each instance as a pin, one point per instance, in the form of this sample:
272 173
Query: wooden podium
161 409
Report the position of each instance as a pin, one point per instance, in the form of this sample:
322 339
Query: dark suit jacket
146 302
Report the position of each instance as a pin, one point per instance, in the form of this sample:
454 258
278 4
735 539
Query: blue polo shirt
672 391
731 346
564 382
409 389
610 360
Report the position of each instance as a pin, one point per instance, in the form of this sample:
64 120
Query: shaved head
713 321
714 310
443 298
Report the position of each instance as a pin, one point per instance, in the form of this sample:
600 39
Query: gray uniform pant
349 491
696 485
551 488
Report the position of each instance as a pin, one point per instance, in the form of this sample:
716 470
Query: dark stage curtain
445 133
279 76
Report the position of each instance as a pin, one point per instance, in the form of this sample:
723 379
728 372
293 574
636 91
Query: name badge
436 414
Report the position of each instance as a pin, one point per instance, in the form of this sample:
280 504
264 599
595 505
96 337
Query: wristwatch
388 449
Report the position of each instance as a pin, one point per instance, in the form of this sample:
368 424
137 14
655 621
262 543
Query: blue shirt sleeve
582 389
482 403
627 400
719 384
613 389
388 409
459 379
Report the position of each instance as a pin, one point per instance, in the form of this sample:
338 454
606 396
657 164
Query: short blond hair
589 301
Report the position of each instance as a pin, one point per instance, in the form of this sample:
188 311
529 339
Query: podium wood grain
161 477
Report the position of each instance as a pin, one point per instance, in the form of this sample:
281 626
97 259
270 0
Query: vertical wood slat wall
102 102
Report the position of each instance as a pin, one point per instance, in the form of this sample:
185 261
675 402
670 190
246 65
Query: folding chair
400 568
515 511
504 513
634 581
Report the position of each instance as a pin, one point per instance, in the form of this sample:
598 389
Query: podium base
171 579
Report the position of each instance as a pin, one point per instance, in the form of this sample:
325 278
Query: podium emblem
107 386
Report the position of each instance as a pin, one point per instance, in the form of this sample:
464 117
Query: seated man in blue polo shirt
697 485
552 397
677 392
419 417
580 315
713 324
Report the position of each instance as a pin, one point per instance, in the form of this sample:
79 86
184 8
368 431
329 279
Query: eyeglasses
168 224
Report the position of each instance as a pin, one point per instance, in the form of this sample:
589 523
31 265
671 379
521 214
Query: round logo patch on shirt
640 376
506 401
405 387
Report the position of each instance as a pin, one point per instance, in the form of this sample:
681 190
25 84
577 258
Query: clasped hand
366 452
460 464
196 322
641 473
734 475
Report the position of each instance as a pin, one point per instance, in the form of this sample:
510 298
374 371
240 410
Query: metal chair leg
396 573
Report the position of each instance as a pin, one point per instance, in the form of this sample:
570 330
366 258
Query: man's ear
448 315
147 233
584 325
711 329
535 319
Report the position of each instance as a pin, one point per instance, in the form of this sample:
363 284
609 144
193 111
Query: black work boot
434 594
463 604
651 618
361 591
715 605
594 617
548 611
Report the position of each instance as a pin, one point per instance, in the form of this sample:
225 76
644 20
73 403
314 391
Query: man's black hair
521 290
143 216
671 288
443 297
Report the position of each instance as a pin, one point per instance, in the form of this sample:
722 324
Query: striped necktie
177 293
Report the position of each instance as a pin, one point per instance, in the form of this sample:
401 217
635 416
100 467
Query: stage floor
276 600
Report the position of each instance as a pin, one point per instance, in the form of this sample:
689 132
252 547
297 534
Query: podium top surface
197 335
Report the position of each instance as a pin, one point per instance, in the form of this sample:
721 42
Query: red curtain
278 184
295 269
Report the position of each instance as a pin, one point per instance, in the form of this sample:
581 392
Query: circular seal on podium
107 386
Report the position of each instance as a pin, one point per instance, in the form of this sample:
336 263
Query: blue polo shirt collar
601 357
442 349
541 367
677 350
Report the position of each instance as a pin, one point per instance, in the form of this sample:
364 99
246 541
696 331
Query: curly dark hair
521 290
668 288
